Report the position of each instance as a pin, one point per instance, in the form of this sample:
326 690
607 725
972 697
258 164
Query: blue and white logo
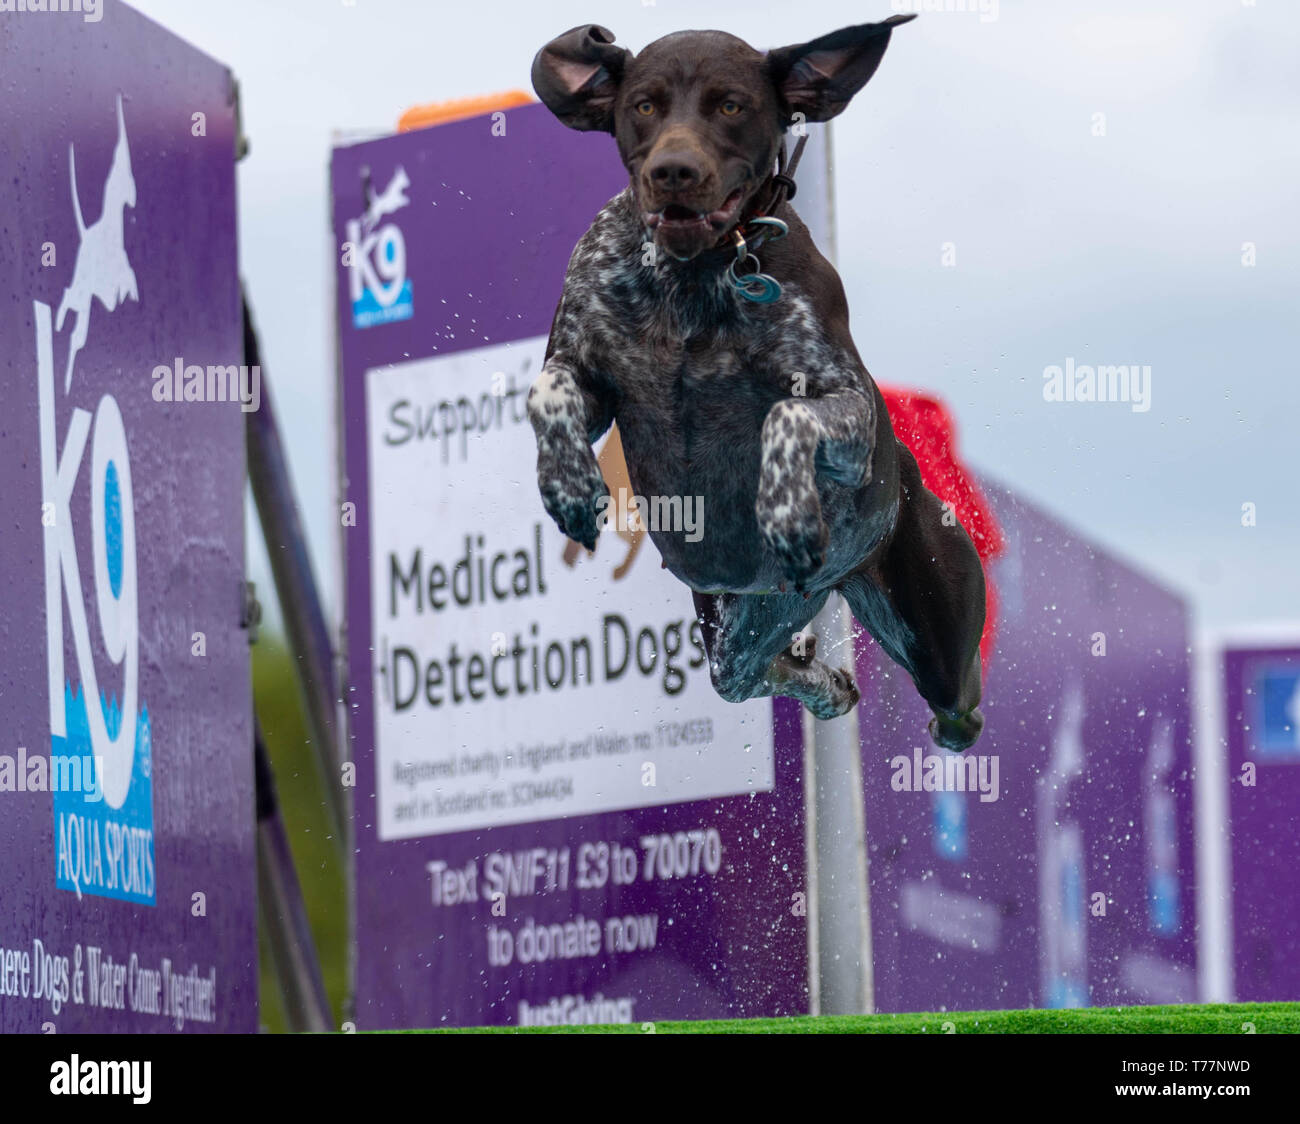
1276 689
376 259
101 746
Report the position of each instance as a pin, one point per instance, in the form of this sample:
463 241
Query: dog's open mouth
677 217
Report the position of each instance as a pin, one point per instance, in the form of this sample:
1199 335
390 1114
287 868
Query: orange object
440 112
923 424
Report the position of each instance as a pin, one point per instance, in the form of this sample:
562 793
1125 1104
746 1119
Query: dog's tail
76 203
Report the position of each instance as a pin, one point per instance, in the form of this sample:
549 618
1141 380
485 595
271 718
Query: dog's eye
645 108
730 108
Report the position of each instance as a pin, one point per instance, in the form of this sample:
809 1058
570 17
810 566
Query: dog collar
761 226
756 286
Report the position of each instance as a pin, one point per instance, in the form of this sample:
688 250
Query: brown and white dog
761 406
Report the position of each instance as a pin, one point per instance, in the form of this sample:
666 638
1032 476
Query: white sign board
514 683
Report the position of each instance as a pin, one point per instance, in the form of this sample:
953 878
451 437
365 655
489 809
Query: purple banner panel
1051 865
558 820
126 777
1262 719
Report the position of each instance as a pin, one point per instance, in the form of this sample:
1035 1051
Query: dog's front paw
790 521
573 492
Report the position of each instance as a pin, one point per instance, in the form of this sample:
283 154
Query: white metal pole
840 907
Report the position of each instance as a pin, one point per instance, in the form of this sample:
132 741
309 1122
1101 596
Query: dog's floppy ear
818 78
577 76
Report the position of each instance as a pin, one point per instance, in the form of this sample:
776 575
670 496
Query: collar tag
761 288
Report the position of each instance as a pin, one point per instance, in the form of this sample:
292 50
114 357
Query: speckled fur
703 384
764 410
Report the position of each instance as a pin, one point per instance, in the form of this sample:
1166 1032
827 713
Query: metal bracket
241 141
251 614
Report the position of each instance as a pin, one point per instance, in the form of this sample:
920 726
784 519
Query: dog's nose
674 171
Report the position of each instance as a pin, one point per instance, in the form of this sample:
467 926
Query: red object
923 424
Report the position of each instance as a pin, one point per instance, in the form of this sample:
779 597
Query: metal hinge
251 616
241 141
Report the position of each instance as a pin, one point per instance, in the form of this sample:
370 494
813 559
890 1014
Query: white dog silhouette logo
376 257
392 199
102 269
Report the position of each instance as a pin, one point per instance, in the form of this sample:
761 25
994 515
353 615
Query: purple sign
126 780
1262 719
1051 864
557 820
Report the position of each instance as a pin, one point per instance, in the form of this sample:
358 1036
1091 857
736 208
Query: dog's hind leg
754 651
922 599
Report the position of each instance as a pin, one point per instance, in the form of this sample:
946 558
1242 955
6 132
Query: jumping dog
742 386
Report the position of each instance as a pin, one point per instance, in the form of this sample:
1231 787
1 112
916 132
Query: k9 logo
376 259
113 566
101 733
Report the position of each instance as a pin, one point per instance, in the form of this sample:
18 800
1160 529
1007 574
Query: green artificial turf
1215 1018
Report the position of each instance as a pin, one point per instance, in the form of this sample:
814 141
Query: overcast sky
1122 248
